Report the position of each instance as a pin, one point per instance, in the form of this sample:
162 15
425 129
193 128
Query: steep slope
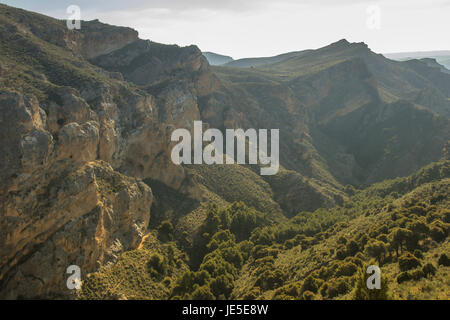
339 107
323 261
402 225
92 40
59 114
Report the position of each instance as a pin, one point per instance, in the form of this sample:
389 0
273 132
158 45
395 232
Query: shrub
402 277
165 231
202 293
417 275
341 254
437 234
428 270
383 238
222 285
408 261
337 287
342 240
346 269
418 227
324 289
311 284
156 265
446 216
308 295
352 248
270 279
167 281
252 294
418 254
376 249
444 260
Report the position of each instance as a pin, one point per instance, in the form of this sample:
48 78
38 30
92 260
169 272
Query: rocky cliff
75 140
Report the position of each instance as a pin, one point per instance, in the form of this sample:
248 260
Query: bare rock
84 217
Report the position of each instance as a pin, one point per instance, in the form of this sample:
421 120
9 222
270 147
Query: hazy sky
247 28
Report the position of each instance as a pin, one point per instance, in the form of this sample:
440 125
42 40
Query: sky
255 28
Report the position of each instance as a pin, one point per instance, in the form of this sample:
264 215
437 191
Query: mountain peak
343 43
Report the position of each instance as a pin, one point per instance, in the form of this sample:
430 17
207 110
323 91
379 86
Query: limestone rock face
62 199
97 40
91 40
59 207
73 149
25 146
144 63
81 216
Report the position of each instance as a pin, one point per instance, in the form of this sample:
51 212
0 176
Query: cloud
267 27
175 6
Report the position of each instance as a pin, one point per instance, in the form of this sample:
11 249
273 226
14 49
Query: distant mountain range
442 57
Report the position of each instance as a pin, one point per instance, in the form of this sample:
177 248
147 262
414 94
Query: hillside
402 225
325 96
254 62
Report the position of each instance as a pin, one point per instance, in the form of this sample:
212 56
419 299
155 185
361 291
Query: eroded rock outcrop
67 153
58 206
83 217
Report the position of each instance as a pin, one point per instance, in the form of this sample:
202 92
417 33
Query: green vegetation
401 225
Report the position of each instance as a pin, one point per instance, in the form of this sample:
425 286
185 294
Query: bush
376 249
337 287
311 284
222 285
252 294
408 261
346 269
167 281
270 279
444 260
308 295
341 254
165 231
418 254
446 216
437 234
402 277
352 248
417 275
202 293
156 265
324 289
429 269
